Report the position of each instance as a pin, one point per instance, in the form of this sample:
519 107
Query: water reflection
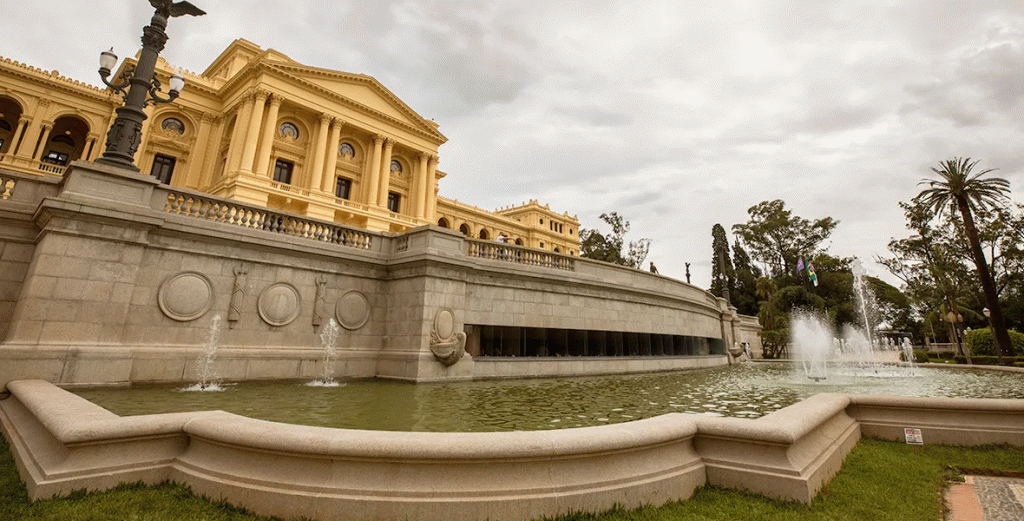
749 391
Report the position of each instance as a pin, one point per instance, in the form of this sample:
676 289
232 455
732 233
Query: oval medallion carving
444 323
185 296
278 305
352 310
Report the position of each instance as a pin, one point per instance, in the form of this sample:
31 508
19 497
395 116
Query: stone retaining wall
111 277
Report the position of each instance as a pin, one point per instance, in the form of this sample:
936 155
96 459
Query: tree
609 248
744 297
959 190
777 238
722 270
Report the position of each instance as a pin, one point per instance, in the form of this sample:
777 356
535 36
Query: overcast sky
678 114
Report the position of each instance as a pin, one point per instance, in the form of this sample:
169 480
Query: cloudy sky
678 115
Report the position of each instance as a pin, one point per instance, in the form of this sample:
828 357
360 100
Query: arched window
484 234
396 167
289 130
347 150
464 228
442 222
63 138
174 125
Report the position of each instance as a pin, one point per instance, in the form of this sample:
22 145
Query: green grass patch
879 480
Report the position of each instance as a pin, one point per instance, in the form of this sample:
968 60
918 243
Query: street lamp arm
154 94
125 77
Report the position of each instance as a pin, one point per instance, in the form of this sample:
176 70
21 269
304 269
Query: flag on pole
800 265
811 274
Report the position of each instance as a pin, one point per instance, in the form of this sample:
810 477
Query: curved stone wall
63 442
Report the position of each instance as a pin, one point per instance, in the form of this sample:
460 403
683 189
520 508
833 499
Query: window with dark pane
163 168
283 171
343 188
393 200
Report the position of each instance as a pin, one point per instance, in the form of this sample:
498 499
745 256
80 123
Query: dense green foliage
609 248
981 343
723 275
778 240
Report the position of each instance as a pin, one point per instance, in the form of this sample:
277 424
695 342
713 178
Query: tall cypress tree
721 262
745 295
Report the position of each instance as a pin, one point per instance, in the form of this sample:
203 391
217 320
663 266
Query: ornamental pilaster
319 150
385 173
373 174
258 102
267 136
332 156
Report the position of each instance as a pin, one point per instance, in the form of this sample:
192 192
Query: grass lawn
879 480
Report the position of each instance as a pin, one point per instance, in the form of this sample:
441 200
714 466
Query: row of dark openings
535 342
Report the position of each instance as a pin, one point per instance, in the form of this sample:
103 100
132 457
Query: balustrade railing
214 209
518 254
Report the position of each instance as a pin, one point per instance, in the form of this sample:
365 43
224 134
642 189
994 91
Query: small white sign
914 436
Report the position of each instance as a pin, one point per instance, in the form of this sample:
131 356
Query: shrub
960 359
981 342
946 355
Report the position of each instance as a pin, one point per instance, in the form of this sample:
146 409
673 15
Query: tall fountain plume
813 344
208 379
328 338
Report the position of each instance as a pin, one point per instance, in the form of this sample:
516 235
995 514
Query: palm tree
958 189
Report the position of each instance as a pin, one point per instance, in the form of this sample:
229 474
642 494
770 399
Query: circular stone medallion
278 305
444 323
185 296
352 310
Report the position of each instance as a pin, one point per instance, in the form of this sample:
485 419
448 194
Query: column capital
338 123
210 118
43 102
434 160
378 140
276 100
325 118
260 95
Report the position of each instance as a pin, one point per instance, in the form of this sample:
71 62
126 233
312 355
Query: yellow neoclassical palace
259 127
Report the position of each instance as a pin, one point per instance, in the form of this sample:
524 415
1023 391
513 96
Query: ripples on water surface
748 391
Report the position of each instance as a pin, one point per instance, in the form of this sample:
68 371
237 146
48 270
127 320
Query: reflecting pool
745 391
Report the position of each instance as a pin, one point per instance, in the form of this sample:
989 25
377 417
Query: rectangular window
283 171
56 158
343 188
393 199
163 168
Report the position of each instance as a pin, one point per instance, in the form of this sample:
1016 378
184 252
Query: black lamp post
143 87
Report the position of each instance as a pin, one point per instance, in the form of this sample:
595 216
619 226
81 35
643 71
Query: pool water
745 391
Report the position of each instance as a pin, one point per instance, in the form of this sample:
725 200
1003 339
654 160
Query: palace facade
261 128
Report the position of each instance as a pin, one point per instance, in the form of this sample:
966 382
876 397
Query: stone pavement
986 498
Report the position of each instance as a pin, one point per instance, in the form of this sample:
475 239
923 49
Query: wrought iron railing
219 210
518 254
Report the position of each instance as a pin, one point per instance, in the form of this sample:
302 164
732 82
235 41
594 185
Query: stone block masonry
111 277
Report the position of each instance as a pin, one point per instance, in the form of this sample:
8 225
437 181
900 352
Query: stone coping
62 442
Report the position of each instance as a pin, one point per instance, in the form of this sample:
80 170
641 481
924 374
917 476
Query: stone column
372 175
91 151
318 152
16 138
331 166
431 188
420 189
252 133
269 131
44 136
385 173
238 134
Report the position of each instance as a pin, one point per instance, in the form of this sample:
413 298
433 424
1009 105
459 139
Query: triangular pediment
361 90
